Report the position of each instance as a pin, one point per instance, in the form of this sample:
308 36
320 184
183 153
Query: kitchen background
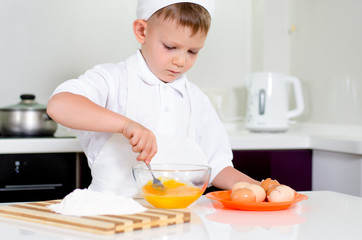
45 42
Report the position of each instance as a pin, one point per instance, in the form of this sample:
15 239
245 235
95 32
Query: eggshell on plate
281 193
266 183
240 185
270 189
258 190
243 195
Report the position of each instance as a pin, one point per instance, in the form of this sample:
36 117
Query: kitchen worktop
337 138
325 215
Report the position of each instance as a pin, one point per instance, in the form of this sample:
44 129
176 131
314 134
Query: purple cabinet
290 167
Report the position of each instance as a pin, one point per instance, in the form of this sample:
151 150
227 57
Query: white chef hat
146 8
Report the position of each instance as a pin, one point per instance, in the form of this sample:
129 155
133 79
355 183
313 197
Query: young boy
145 105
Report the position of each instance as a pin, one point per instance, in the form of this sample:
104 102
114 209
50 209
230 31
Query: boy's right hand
66 108
142 140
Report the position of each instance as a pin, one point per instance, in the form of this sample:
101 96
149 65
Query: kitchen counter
337 138
63 141
39 145
336 150
325 215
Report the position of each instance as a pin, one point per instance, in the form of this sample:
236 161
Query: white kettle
267 102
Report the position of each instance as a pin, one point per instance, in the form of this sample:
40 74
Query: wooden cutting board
101 224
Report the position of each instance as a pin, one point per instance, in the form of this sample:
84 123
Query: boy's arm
227 177
78 112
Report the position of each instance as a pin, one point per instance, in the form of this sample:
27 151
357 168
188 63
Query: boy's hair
190 15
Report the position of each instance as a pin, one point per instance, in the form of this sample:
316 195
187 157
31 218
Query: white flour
84 202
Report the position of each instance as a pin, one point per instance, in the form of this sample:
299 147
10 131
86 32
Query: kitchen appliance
36 176
26 119
267 102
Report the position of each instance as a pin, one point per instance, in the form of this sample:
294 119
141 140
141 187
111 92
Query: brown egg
258 190
267 183
240 185
243 195
281 193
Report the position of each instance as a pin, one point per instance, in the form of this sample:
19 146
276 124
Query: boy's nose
179 60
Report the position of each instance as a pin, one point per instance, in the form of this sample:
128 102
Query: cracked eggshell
259 192
239 185
281 193
243 195
266 183
270 189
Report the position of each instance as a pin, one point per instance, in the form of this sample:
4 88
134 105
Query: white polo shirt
164 108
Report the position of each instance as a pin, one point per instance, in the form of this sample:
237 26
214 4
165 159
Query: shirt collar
149 78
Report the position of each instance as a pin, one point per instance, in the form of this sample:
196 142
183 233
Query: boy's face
169 49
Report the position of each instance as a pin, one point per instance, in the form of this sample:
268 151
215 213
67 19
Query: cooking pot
26 119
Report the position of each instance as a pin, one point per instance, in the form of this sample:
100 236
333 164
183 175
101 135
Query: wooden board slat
100 224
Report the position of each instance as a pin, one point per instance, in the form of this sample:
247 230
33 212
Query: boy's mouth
173 72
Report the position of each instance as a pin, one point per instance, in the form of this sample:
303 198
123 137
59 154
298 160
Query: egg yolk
174 195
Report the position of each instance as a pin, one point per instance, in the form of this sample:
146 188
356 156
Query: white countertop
39 145
325 215
337 138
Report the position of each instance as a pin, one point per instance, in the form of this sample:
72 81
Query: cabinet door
290 167
339 172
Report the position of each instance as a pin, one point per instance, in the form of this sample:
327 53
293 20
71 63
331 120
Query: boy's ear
139 29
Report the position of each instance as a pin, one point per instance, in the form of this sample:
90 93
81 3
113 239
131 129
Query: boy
144 105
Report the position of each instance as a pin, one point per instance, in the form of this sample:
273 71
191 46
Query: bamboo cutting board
101 224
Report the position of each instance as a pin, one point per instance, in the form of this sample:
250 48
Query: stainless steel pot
26 119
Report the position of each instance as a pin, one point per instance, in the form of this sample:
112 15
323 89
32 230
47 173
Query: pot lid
27 103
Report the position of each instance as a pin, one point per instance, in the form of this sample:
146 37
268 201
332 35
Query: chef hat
146 8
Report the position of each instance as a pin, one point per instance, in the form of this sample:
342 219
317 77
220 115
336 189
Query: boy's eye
193 52
168 47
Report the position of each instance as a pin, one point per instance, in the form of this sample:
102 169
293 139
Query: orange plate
224 198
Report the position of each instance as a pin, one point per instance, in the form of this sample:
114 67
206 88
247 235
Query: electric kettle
267 102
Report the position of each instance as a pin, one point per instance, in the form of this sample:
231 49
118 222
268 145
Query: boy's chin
169 79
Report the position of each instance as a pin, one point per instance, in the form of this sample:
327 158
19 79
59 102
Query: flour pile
84 202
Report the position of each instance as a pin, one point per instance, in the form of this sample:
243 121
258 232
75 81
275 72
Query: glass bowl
183 183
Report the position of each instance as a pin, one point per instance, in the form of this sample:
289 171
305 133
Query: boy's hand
142 140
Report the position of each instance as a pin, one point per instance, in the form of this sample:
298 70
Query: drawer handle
30 187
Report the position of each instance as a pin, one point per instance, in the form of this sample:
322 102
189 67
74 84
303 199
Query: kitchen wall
320 43
326 53
45 42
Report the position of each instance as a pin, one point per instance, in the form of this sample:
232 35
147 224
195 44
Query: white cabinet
340 172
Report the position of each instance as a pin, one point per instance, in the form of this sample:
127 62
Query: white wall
45 42
326 54
320 43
